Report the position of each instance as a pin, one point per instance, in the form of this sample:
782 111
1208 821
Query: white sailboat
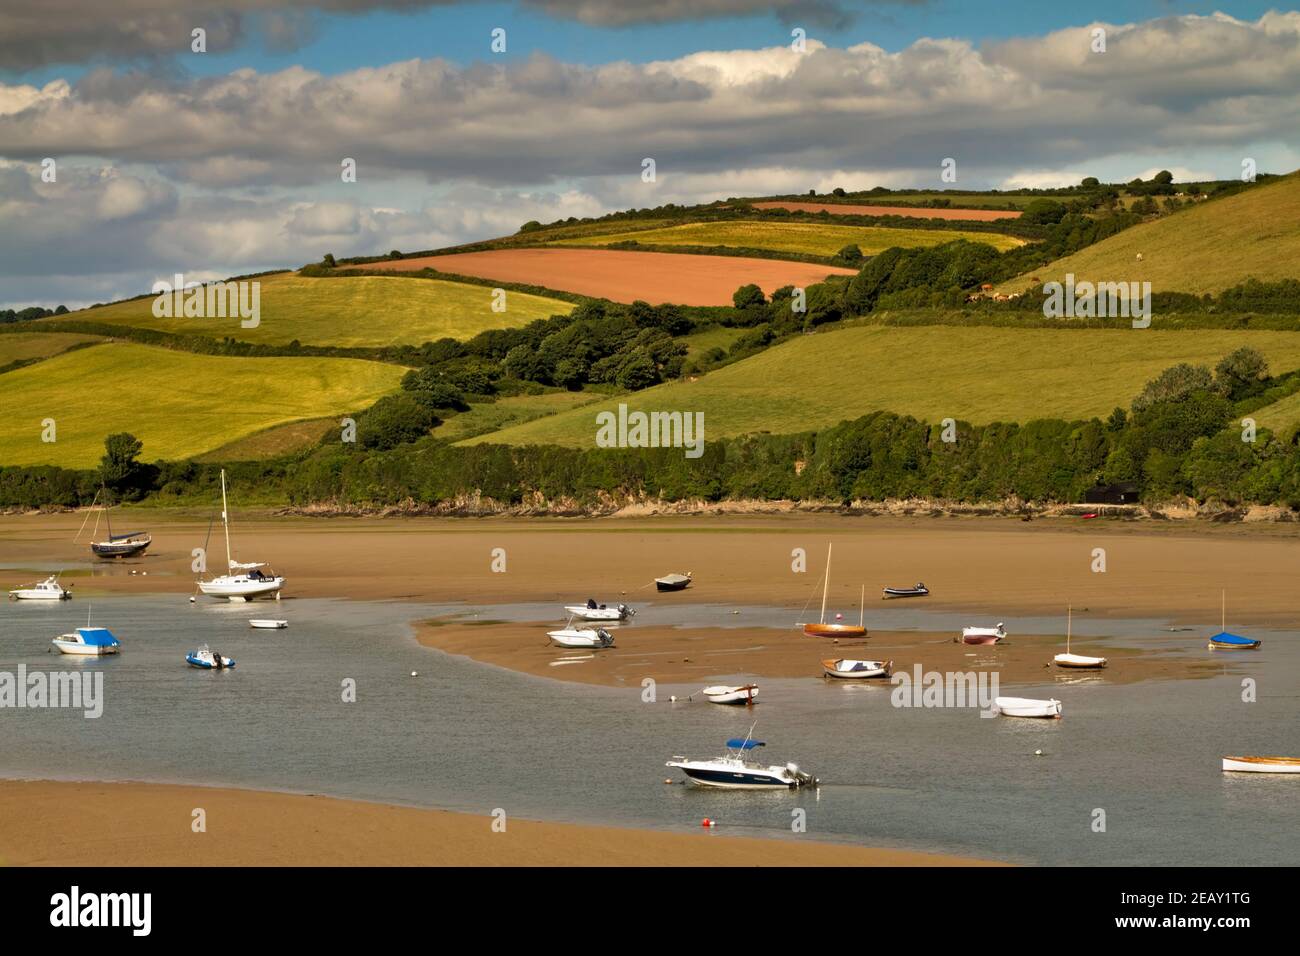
1076 660
242 582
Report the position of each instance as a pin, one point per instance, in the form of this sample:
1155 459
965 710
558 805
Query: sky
228 161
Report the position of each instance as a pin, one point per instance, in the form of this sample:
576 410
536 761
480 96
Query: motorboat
1261 764
591 611
734 772
1077 661
673 582
88 642
725 694
48 590
267 624
581 637
848 669
243 581
1027 707
920 590
207 659
821 628
984 635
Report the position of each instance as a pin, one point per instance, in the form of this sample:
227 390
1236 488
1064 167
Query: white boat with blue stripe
734 772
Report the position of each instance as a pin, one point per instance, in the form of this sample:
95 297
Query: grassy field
509 411
349 312
932 372
818 239
1208 248
179 404
21 346
713 336
272 442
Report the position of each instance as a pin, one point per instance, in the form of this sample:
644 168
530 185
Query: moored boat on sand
1076 661
591 611
242 581
581 637
920 590
848 669
673 582
1261 764
48 590
821 628
984 635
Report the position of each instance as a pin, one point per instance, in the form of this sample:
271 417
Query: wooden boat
1078 661
919 591
849 669
822 629
268 624
126 545
984 635
1261 764
673 582
1223 641
1027 707
722 694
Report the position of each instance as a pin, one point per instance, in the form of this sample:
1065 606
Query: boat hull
598 613
75 649
125 549
1261 764
834 630
227 663
662 585
737 780
981 639
731 695
268 625
1079 662
833 668
904 593
240 589
1027 707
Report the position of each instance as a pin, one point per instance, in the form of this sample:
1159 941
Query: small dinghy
733 772
88 642
723 694
591 611
984 635
1077 661
267 624
673 582
846 669
209 660
919 591
1223 641
1261 764
1027 707
48 590
581 637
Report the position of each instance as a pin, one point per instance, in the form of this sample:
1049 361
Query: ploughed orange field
916 212
654 277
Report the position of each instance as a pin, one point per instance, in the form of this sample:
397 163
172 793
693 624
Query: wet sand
133 824
709 655
989 566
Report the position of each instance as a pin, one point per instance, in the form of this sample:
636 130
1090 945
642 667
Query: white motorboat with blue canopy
88 642
591 611
243 581
48 590
734 772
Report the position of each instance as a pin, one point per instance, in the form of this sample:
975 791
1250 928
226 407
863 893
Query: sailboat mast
1223 610
225 519
1069 619
862 606
826 583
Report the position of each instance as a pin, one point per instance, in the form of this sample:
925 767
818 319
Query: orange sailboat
822 629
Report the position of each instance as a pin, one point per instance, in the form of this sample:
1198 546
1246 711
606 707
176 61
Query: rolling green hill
346 312
813 238
931 372
178 403
24 346
1211 247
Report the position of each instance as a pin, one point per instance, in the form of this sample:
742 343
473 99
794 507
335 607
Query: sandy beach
134 824
999 566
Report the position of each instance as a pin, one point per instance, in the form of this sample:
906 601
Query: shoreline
150 824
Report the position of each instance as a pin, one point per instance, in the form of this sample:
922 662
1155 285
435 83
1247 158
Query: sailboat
1076 660
1223 641
126 545
821 628
242 582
